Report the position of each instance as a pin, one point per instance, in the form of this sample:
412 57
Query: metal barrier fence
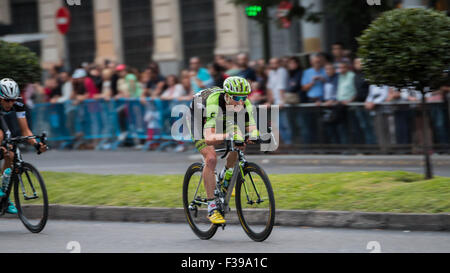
388 128
108 124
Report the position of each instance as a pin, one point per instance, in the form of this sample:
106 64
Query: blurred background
112 70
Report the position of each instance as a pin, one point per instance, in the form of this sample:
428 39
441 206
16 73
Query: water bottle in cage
6 179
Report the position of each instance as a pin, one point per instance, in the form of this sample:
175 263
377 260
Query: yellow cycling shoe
216 218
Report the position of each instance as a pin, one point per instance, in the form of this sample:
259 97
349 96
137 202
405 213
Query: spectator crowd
327 86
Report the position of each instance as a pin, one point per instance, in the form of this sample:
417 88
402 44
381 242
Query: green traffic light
253 11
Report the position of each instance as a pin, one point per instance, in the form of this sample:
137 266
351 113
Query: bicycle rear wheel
195 204
255 203
31 198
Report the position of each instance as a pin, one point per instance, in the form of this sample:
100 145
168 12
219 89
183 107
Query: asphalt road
138 162
95 237
112 237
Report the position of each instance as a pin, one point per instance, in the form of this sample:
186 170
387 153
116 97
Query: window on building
199 29
137 32
25 20
81 35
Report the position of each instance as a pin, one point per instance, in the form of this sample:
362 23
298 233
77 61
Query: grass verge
399 192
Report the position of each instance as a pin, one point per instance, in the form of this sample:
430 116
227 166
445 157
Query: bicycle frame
18 164
237 173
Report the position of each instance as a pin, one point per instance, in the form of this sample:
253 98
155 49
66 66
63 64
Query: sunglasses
239 98
9 100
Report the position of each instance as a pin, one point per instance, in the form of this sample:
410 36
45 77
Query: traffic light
253 11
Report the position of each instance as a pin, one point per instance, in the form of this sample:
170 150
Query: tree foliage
19 63
406 46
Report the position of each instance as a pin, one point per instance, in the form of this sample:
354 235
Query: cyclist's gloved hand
40 147
37 146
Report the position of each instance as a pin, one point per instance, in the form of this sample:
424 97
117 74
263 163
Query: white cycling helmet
9 89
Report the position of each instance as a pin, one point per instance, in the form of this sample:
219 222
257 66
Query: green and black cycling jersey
213 108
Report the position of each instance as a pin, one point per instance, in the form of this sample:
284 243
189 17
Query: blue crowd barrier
110 122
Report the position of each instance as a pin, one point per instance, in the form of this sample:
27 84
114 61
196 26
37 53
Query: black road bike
254 197
30 193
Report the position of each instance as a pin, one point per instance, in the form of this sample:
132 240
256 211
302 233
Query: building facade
167 31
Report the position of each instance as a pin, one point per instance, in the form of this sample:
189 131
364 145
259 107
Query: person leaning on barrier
66 87
174 89
377 95
346 92
84 87
361 84
11 102
313 79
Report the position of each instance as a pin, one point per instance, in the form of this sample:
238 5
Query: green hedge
406 45
19 63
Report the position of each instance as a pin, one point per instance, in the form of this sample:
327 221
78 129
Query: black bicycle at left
30 193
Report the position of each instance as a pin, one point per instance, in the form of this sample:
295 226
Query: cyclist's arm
25 129
251 123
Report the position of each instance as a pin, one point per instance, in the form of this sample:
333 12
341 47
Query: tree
408 47
19 63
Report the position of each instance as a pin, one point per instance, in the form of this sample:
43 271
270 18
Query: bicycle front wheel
31 198
195 203
255 203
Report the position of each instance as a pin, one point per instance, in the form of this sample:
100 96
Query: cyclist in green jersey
217 126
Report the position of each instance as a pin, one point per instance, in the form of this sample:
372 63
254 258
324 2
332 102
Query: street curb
335 219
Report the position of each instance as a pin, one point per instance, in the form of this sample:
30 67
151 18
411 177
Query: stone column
5 12
167 35
107 30
313 33
231 28
52 47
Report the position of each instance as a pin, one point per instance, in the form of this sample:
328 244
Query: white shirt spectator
174 92
377 94
66 91
277 81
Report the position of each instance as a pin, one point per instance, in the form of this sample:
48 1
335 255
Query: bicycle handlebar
23 139
231 144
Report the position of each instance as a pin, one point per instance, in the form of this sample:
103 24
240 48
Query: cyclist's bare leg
231 160
210 157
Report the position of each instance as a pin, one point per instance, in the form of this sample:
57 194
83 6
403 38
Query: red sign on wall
63 20
282 13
